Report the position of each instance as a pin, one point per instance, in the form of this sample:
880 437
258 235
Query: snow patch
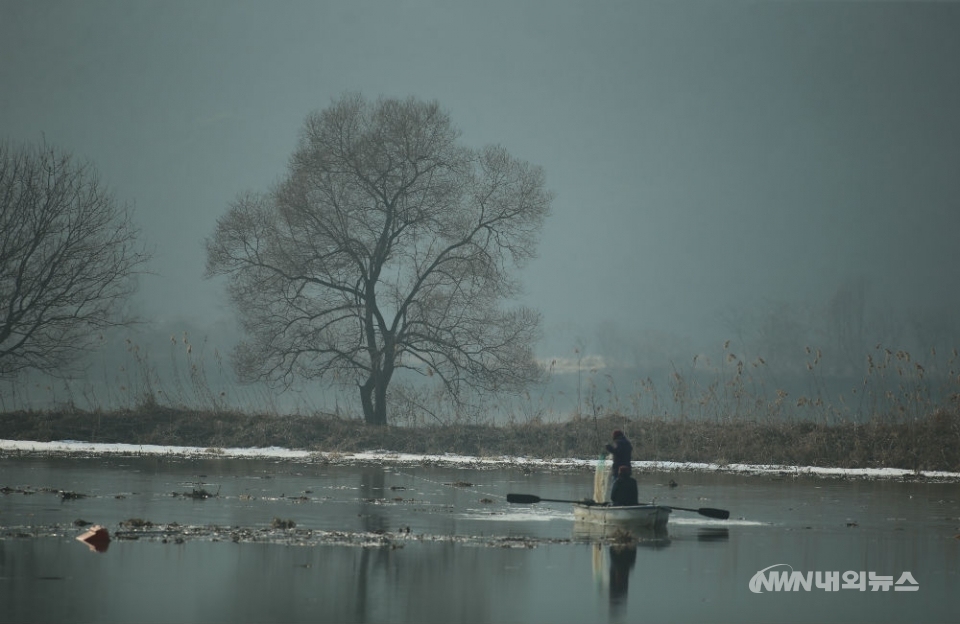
388 457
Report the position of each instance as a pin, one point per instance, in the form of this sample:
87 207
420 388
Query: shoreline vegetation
928 443
902 415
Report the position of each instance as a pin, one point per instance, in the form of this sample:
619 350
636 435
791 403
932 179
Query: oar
720 514
526 499
710 512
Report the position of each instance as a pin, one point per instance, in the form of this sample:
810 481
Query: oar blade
719 514
523 499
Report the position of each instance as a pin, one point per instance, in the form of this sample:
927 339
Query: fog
779 175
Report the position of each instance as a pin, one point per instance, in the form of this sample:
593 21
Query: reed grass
929 443
903 413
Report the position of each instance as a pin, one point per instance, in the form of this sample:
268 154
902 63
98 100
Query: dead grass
931 442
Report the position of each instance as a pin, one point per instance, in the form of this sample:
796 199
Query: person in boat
624 491
622 451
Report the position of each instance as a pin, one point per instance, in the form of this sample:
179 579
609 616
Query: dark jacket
622 452
624 491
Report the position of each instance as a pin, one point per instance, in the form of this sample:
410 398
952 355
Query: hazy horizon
776 174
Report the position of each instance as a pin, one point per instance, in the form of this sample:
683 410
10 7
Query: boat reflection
643 536
623 557
614 556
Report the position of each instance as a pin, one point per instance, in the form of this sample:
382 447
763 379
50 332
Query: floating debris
277 523
199 494
97 538
622 536
136 523
136 529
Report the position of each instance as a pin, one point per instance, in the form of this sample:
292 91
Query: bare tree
387 246
68 259
844 321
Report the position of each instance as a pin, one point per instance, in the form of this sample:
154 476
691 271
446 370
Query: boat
647 537
646 516
639 516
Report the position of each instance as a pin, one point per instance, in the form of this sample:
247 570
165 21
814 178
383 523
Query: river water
414 543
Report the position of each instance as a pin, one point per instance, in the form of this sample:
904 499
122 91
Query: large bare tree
68 259
388 245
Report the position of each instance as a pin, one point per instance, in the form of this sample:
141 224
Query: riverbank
71 448
929 445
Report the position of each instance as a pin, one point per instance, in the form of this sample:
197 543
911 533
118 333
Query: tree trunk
366 399
373 397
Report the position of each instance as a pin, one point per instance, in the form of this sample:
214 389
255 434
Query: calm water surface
429 544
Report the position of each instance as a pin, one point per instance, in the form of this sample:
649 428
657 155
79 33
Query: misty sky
704 155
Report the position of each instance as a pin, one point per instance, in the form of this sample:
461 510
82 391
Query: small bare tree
388 245
844 323
68 259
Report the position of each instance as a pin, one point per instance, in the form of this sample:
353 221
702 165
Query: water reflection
373 520
613 561
372 483
467 561
647 537
622 559
713 534
615 556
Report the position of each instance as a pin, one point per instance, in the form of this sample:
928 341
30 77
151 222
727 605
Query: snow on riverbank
71 447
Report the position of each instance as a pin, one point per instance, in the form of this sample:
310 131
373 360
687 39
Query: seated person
624 491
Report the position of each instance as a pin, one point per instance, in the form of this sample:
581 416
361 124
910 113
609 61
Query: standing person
622 451
624 490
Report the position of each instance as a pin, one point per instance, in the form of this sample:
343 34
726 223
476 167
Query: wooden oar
709 512
530 498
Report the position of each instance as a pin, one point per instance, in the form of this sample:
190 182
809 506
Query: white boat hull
640 516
